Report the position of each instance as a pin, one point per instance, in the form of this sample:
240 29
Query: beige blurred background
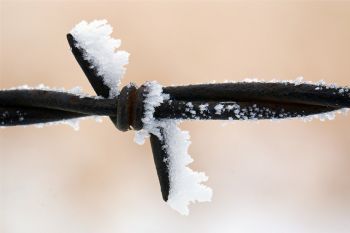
271 177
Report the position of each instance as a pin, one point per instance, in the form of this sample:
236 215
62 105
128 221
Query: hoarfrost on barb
153 99
100 50
185 184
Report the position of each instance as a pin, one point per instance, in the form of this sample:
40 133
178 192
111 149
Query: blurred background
286 176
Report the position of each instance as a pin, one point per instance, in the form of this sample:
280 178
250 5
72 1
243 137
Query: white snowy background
267 177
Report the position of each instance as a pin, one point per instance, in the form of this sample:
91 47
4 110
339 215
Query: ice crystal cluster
100 50
185 184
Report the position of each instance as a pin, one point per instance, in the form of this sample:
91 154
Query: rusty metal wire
275 101
236 101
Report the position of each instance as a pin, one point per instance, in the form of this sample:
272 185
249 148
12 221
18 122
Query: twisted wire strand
273 101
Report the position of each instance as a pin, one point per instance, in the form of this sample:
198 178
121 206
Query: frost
230 107
153 99
74 123
218 108
298 81
100 50
185 184
325 116
189 104
98 119
189 108
78 91
203 107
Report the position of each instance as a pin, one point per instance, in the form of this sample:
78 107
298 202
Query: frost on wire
101 51
185 184
75 122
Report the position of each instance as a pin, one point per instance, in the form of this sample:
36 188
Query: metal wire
277 101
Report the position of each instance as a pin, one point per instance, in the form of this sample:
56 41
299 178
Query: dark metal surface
90 72
160 157
310 94
237 110
63 101
13 116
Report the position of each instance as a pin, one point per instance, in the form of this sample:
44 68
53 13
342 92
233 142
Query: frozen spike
96 51
180 185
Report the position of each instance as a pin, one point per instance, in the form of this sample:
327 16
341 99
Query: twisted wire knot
130 108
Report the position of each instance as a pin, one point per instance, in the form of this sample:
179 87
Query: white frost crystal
78 91
100 49
153 99
218 108
185 184
203 107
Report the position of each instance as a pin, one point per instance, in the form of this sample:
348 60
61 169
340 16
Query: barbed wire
225 101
